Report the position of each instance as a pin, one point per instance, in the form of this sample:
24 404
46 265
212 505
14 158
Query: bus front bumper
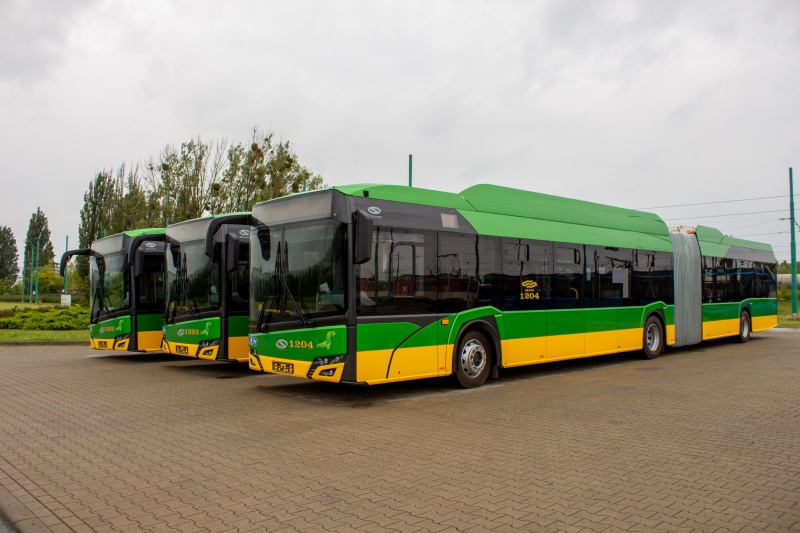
321 369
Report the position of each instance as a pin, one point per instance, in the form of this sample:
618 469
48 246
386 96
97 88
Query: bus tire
473 360
744 327
652 338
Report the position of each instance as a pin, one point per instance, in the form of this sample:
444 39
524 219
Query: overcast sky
638 104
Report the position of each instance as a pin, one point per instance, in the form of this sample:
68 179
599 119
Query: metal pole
794 251
30 281
66 271
409 170
22 283
38 245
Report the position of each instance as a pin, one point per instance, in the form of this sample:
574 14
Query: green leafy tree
9 258
181 181
95 216
129 209
38 238
50 282
266 170
785 268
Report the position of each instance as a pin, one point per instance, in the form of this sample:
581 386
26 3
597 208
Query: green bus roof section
527 204
502 211
145 231
410 195
713 243
507 212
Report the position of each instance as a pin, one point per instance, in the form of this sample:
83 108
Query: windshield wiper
281 266
100 294
185 289
260 321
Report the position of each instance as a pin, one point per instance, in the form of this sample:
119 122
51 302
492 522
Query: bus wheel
653 340
744 327
473 360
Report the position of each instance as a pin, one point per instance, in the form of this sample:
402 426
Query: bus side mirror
362 230
263 239
64 260
231 253
138 263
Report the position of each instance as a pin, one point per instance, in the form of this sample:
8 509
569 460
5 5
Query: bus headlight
324 361
121 341
207 344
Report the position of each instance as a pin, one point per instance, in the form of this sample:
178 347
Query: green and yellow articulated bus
207 266
126 273
369 284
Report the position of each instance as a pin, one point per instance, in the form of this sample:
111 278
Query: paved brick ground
703 439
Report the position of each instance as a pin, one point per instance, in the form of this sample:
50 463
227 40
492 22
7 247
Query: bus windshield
110 285
304 276
192 279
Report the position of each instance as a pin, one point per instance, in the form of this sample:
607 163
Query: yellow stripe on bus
149 341
720 328
238 349
762 323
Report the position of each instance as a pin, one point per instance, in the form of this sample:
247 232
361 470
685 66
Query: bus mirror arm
232 252
71 253
138 263
263 238
362 231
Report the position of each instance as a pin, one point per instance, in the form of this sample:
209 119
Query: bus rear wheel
653 338
744 327
473 360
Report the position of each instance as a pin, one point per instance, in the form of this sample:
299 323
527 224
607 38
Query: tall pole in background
30 281
38 245
22 283
66 271
794 251
409 170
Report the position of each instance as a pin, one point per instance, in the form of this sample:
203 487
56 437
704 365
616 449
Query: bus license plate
283 368
102 344
182 350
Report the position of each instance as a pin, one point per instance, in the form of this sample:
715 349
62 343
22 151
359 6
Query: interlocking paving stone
702 439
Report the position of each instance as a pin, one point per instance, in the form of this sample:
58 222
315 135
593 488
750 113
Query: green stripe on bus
150 322
731 311
238 326
383 336
108 329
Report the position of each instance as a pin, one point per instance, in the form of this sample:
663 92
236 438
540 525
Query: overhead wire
717 202
729 215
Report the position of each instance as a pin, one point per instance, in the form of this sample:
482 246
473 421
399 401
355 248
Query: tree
38 238
129 208
9 258
181 181
50 282
261 172
98 204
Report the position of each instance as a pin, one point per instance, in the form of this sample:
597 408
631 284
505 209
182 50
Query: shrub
784 294
46 318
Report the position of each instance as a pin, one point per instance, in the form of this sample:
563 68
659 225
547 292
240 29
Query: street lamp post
30 281
38 246
22 282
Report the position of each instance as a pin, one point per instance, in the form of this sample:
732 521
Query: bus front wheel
473 360
744 327
653 338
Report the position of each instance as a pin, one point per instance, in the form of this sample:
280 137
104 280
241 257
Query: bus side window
458 283
527 270
568 277
400 277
